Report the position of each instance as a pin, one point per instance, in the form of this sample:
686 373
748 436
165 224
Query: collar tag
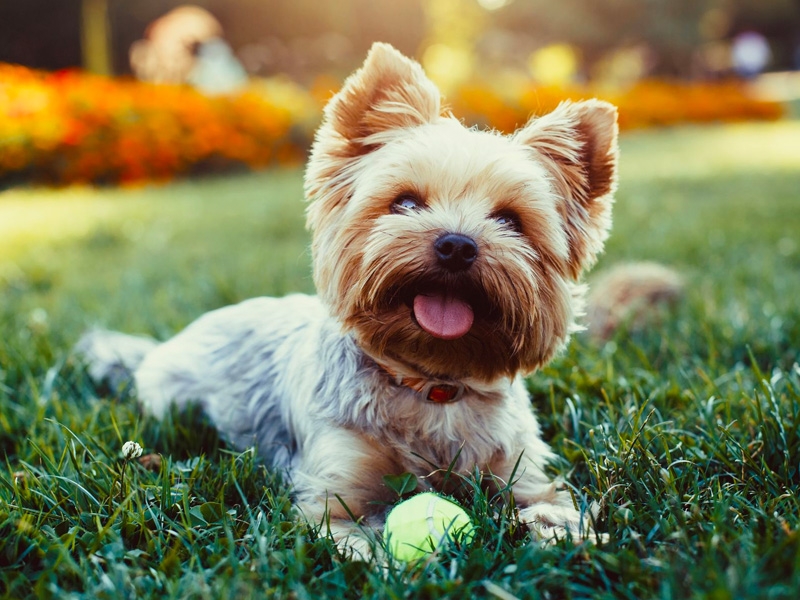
443 393
437 392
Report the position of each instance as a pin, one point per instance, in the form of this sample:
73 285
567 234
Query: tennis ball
424 523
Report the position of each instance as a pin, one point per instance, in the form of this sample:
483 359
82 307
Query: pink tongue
442 316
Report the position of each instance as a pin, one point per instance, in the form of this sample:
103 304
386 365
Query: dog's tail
112 357
631 294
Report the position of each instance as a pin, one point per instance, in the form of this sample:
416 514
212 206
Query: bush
69 127
649 103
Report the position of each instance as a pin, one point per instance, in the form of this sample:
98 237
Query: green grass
690 432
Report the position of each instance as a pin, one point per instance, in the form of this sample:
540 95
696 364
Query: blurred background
151 170
109 91
303 38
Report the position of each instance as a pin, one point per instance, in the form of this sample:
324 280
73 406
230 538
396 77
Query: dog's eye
406 201
509 220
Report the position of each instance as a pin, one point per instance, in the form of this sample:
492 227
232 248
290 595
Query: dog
447 262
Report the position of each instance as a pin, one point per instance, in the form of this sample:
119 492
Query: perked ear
387 93
578 144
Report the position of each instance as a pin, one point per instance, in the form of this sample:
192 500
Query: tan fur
302 378
578 143
631 294
383 135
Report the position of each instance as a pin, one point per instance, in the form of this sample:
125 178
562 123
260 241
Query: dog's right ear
388 95
389 92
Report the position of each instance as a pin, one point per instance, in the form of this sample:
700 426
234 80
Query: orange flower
71 126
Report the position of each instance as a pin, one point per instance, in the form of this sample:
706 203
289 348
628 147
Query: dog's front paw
549 523
358 544
355 547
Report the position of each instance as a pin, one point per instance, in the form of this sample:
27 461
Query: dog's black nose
455 252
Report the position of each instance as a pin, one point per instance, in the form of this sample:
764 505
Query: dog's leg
339 478
549 510
545 506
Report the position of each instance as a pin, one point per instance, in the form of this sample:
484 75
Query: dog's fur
636 295
307 379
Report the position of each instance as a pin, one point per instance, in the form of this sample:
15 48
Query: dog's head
454 251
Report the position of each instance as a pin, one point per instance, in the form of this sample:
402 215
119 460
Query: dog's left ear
578 144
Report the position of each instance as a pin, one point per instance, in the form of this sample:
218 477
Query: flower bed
69 127
649 103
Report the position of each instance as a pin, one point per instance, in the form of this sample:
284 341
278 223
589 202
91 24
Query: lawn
689 432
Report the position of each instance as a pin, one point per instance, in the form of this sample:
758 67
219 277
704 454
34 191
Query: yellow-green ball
424 523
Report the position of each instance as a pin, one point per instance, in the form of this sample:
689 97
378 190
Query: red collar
436 391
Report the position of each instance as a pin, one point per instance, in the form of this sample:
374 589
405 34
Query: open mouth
444 310
443 315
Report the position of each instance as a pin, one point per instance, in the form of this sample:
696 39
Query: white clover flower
131 450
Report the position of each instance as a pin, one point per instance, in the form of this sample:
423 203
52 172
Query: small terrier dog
447 262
